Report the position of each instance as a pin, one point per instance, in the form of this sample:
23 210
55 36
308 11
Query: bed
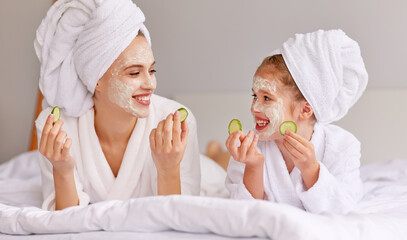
382 213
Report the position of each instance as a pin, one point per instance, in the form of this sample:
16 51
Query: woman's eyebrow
137 65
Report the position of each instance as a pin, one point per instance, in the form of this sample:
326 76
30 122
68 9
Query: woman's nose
149 82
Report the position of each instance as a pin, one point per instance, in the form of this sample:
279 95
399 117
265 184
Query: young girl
313 80
122 141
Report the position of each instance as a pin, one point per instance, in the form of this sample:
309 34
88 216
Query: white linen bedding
382 213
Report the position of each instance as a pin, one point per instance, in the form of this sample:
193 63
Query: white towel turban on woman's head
328 69
77 42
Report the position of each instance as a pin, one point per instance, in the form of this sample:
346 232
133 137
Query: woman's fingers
66 147
176 130
45 133
184 132
159 135
152 140
168 132
59 142
51 137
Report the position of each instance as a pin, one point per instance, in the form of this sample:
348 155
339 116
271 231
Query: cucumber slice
234 126
56 112
288 125
184 114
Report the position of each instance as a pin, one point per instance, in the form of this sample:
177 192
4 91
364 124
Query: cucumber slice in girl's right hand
56 112
234 126
288 125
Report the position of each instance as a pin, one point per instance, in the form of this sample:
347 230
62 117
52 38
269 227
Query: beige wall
204 46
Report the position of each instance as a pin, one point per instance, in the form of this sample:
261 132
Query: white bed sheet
382 213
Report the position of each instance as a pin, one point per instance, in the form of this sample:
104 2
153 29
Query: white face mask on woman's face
132 79
267 108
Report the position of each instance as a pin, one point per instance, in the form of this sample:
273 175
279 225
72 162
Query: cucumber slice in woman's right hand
56 112
234 126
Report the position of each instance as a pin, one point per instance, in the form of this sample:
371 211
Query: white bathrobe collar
280 185
105 185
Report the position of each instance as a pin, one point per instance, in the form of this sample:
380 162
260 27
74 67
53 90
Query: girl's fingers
159 135
168 131
296 144
59 142
291 150
176 129
253 146
245 144
297 137
185 132
66 147
152 140
233 145
52 135
45 132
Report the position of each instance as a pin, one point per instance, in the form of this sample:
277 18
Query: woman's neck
113 127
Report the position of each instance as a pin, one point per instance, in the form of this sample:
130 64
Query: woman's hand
53 147
247 152
168 143
302 153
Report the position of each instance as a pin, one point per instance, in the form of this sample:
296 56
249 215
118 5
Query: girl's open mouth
261 123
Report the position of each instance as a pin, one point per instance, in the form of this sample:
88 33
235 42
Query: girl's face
270 107
130 80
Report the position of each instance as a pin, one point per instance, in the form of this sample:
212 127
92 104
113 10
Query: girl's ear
306 111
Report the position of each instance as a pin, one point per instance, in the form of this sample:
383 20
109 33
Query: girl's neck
113 127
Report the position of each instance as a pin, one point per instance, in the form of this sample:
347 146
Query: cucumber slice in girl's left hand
234 126
288 125
56 112
184 114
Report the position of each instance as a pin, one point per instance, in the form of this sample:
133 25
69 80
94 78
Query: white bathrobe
338 188
137 176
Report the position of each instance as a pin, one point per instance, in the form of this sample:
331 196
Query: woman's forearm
169 182
253 180
65 191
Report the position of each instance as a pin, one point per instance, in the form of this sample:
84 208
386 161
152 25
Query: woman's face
270 106
130 80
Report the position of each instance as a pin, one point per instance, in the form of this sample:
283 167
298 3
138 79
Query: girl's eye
267 98
254 96
134 74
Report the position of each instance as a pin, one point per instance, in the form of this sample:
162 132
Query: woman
122 141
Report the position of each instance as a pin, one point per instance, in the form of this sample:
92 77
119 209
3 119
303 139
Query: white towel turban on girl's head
77 42
328 69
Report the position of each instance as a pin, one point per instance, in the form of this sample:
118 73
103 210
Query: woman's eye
153 71
134 74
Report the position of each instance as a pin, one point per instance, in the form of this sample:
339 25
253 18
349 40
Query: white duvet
382 213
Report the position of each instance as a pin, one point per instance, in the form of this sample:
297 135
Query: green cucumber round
234 126
184 114
56 112
288 125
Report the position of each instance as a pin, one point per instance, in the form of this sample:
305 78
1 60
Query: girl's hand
247 152
53 147
168 143
302 153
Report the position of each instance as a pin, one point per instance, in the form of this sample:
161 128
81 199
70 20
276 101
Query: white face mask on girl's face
267 108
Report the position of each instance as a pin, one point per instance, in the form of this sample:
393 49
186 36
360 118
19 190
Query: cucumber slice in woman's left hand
288 125
184 114
56 112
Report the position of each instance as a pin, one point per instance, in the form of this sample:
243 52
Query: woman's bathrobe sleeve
47 179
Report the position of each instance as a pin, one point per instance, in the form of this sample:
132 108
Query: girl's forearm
253 180
65 191
310 175
169 182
